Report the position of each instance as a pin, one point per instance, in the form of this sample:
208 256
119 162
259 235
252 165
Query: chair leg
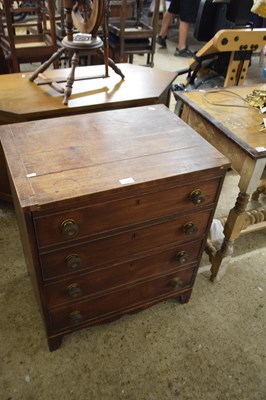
13 65
151 57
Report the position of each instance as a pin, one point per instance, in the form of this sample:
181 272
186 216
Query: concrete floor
213 348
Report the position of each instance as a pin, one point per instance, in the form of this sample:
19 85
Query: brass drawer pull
69 228
73 261
190 228
176 283
74 290
197 197
75 317
182 257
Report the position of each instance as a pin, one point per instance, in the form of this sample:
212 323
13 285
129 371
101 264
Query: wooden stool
87 20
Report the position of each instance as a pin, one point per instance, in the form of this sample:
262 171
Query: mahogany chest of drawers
113 209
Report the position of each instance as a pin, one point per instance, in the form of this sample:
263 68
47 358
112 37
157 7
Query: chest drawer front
82 222
125 245
111 304
130 272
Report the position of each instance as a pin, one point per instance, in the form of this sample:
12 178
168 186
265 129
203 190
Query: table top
228 111
84 156
22 100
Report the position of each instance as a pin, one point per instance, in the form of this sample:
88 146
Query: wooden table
222 118
22 100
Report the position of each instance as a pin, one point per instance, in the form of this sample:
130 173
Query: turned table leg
232 230
249 179
260 190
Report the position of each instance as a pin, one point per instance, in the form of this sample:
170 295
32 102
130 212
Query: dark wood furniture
31 40
21 100
134 33
113 209
3 64
115 8
223 118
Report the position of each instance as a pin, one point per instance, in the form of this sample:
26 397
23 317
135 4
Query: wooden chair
134 34
30 40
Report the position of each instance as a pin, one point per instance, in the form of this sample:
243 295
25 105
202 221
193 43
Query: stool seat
82 41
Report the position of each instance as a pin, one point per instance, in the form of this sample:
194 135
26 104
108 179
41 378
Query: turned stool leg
43 67
111 64
71 77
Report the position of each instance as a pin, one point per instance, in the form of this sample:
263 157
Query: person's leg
183 34
188 13
167 20
182 49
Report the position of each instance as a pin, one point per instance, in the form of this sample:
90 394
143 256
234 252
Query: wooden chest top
58 161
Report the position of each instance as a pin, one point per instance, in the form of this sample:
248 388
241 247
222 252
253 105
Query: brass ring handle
74 290
190 228
73 261
197 197
69 228
75 317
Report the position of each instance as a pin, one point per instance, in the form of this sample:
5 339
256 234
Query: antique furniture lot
113 208
22 100
224 119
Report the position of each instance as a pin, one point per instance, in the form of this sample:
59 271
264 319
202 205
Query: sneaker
161 41
183 53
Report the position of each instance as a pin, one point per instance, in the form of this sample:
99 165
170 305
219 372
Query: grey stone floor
213 348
